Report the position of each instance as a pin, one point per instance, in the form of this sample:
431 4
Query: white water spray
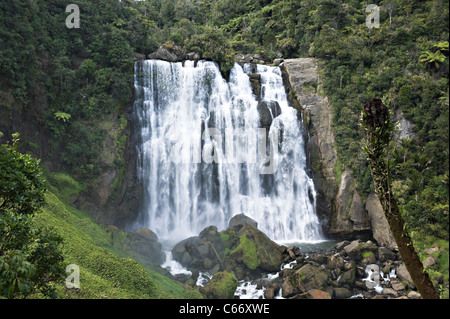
194 175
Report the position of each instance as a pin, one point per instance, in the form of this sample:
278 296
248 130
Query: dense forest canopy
73 81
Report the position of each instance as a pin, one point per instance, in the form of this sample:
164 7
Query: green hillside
106 271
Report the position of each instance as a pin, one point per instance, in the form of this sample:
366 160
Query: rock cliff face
339 205
302 77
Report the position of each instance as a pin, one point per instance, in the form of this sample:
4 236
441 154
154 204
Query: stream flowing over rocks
264 269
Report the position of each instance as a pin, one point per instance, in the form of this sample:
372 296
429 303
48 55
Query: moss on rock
246 252
221 286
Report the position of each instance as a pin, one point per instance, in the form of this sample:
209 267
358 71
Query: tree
390 8
30 257
378 129
432 58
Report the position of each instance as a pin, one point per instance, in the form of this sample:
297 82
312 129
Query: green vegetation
392 63
76 84
221 286
105 270
427 246
79 77
83 78
367 254
31 259
247 252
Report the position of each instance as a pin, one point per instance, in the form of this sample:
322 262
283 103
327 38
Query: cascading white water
203 157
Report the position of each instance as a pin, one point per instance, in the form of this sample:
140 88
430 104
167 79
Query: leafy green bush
31 259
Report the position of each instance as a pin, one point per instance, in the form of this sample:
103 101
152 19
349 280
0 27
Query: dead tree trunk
378 129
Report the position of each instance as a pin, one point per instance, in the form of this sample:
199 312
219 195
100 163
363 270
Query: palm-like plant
432 58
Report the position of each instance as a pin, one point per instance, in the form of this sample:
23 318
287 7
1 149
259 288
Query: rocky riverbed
242 258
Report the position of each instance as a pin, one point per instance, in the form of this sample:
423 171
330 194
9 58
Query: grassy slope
105 270
439 272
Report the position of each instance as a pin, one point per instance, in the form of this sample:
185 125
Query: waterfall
204 157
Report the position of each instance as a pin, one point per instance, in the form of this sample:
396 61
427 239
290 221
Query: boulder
247 58
390 292
246 253
186 252
414 295
318 294
221 286
385 254
268 110
357 248
397 285
277 61
147 234
341 293
193 56
404 275
348 277
267 251
139 57
166 53
429 261
293 252
269 293
368 258
288 288
380 226
339 246
255 80
310 277
237 221
197 56
145 243
209 233
349 215
431 250
240 58
335 261
241 249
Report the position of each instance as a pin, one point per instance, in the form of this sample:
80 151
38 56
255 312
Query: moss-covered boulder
239 220
357 248
241 249
142 244
221 286
246 253
310 277
267 251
